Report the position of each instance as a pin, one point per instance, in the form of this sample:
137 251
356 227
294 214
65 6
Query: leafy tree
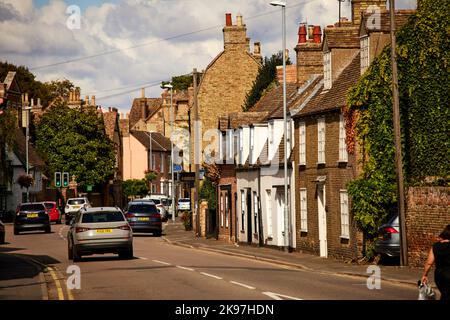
135 187
209 193
424 79
181 83
266 77
75 142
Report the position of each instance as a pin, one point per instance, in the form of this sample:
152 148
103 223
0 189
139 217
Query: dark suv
31 216
143 216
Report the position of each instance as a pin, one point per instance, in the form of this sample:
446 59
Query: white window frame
252 144
241 146
289 135
302 143
303 210
220 146
230 144
226 209
345 218
243 208
321 136
221 209
343 154
365 53
269 213
162 187
255 211
327 75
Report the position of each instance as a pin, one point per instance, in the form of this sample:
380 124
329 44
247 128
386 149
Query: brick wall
309 60
360 6
427 213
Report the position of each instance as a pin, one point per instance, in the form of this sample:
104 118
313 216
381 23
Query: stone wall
427 213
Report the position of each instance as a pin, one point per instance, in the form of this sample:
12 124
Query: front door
322 220
249 216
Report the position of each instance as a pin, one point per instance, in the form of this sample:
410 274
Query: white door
322 220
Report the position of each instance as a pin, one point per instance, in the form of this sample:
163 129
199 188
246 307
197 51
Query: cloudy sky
123 45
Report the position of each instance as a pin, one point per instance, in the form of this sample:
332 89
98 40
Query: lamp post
26 117
169 86
286 233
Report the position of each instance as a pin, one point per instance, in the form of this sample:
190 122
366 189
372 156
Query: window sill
344 238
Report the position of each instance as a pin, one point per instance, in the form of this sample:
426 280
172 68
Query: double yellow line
59 288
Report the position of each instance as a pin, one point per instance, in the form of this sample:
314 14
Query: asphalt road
161 271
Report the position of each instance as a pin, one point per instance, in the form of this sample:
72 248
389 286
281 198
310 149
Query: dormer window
365 53
327 70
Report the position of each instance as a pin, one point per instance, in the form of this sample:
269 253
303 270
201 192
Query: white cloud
39 36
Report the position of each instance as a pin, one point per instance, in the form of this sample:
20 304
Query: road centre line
243 285
185 268
211 275
161 262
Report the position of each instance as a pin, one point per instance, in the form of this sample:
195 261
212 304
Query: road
161 271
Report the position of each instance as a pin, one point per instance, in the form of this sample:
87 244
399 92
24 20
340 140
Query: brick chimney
93 101
360 6
235 36
291 73
309 53
88 103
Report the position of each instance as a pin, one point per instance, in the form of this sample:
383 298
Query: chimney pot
93 101
142 93
302 34
239 21
228 21
317 34
257 48
87 101
310 31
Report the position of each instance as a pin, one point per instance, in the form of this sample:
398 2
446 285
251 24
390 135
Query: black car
31 216
143 216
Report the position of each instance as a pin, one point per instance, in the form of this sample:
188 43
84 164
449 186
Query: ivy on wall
423 48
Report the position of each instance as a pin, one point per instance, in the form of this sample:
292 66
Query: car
157 199
184 204
99 230
167 203
143 216
388 243
2 232
53 211
73 205
31 216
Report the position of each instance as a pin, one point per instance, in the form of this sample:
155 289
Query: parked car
167 203
388 243
32 216
2 232
143 216
157 199
99 230
73 205
184 204
53 211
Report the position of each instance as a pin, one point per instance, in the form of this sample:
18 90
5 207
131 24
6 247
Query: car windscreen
142 208
184 200
49 205
99 217
156 201
75 201
167 202
32 207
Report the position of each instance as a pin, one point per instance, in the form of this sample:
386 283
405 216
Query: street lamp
169 86
286 233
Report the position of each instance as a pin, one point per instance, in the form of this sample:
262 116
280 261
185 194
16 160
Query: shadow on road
20 266
99 258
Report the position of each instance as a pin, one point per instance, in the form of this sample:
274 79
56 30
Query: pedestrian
440 255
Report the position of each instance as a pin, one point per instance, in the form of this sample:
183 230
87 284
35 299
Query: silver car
100 230
73 205
388 243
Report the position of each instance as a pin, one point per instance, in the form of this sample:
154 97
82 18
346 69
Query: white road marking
211 275
243 285
277 296
142 258
161 262
185 268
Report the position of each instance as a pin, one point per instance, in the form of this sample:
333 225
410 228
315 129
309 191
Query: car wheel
69 251
127 254
48 229
75 254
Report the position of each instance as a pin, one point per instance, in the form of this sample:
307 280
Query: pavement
175 234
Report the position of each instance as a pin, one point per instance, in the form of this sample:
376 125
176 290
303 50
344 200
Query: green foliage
208 192
150 175
267 75
424 79
75 142
180 83
135 187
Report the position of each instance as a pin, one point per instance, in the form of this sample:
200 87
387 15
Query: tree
75 142
135 187
266 77
181 83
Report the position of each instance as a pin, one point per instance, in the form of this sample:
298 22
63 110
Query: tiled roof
152 105
272 101
236 119
159 142
20 150
335 98
342 37
384 25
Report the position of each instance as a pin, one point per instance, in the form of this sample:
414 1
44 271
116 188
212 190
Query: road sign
89 188
177 168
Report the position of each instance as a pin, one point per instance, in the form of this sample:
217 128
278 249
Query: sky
123 45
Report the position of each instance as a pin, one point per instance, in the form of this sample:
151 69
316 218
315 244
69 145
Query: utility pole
197 141
398 143
26 117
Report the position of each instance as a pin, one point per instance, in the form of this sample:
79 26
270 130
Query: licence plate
32 215
144 219
76 207
104 230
